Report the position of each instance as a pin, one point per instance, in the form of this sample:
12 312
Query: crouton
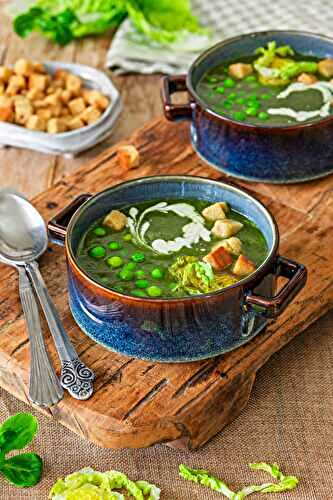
307 78
44 114
74 123
216 211
52 100
96 98
61 74
6 109
65 96
23 67
5 73
35 94
73 83
240 70
232 245
56 125
325 68
56 110
243 266
90 115
2 88
36 123
38 81
226 228
77 106
15 84
128 156
38 67
115 220
23 109
219 258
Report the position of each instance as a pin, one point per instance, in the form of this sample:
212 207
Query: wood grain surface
137 403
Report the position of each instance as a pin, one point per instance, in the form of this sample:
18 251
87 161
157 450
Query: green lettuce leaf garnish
63 20
88 484
204 478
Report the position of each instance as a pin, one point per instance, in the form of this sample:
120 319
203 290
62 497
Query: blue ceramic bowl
263 153
174 330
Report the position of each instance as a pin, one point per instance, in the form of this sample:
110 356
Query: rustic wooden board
137 403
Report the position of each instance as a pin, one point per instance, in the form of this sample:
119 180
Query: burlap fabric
289 419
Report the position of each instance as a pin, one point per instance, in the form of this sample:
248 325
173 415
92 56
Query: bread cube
77 106
128 156
96 98
56 126
216 211
232 245
219 258
15 84
38 81
73 83
60 74
36 123
35 94
6 109
52 100
325 68
243 266
23 67
307 78
65 96
44 113
240 70
2 88
116 220
38 67
56 111
5 73
23 109
226 228
90 115
74 122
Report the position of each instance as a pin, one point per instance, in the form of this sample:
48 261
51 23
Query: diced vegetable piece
232 245
157 273
116 220
154 291
325 68
240 70
138 257
219 258
216 211
114 245
307 79
226 228
243 266
128 156
97 252
115 261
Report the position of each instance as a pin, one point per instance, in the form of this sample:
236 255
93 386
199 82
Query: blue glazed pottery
175 330
282 154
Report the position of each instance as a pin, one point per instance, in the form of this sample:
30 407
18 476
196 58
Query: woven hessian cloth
289 420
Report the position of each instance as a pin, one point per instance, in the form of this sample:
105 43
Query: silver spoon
23 238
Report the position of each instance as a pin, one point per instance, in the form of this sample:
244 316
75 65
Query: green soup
259 100
131 260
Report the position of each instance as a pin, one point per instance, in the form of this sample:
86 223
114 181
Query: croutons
6 109
23 109
219 258
15 84
35 95
23 67
73 83
307 78
74 123
65 96
325 68
96 98
5 73
232 245
243 266
56 125
77 106
216 211
36 123
90 115
226 228
116 220
240 70
128 156
44 113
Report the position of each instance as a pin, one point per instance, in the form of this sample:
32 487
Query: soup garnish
171 249
275 86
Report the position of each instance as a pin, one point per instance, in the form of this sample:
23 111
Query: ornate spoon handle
76 377
44 386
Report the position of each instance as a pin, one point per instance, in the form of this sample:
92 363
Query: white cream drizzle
325 88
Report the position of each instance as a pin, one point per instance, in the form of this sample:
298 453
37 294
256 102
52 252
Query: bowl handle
57 226
171 85
271 307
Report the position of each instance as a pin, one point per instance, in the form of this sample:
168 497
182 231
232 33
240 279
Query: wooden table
31 172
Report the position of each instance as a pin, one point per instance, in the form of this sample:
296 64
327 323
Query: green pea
263 115
239 115
253 104
265 96
220 90
130 266
232 96
252 97
154 291
114 245
126 274
250 78
127 237
115 261
138 293
141 283
251 111
97 252
140 274
229 83
100 231
240 100
157 273
227 104
138 257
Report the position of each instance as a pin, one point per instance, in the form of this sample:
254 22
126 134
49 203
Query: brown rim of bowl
259 273
259 128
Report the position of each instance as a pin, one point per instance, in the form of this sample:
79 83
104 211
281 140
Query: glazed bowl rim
236 123
260 271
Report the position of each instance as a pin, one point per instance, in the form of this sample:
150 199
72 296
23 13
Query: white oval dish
72 142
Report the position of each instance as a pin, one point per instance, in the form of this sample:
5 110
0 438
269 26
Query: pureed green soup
171 249
274 87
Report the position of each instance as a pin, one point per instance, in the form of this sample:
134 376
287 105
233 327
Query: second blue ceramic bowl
262 153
